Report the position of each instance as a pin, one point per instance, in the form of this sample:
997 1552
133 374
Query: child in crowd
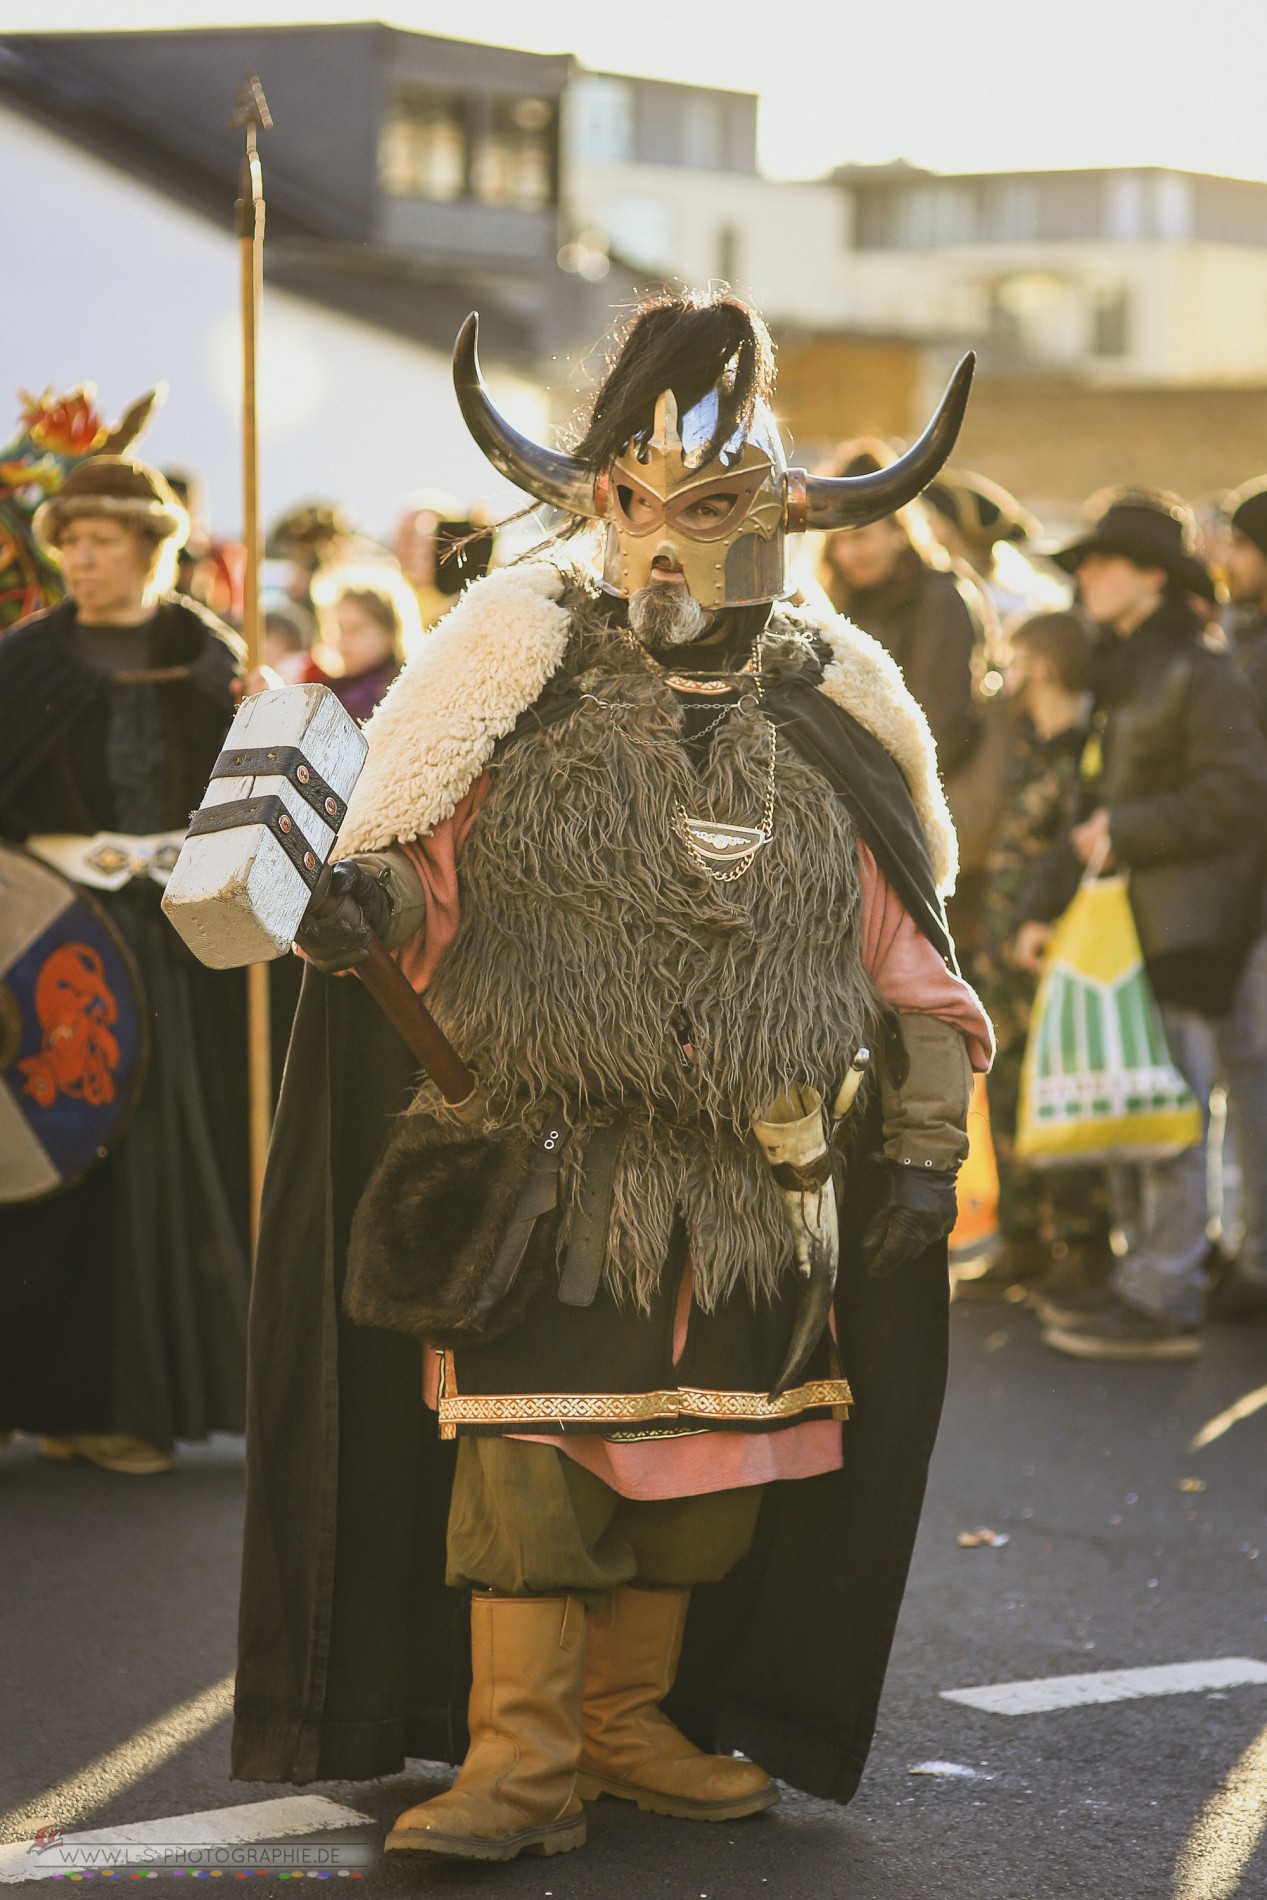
369 623
287 644
1054 1225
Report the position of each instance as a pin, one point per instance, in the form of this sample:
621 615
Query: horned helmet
736 554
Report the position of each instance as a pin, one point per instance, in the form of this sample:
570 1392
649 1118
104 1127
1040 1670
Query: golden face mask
724 523
720 524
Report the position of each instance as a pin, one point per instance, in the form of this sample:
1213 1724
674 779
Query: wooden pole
251 112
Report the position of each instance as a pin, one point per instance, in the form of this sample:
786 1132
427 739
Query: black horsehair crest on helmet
690 342
677 349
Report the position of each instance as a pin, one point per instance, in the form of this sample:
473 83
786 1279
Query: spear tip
251 107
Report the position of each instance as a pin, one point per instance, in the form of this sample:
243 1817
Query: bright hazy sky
983 84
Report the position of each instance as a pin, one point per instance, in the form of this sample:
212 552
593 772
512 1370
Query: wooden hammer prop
258 847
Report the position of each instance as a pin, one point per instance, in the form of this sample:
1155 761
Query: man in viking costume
665 855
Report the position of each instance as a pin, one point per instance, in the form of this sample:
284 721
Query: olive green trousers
527 1521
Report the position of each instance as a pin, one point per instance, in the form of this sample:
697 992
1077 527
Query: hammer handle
414 1023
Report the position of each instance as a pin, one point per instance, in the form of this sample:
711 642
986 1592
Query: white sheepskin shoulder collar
435 730
490 659
866 682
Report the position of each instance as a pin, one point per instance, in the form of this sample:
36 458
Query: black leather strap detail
897 1061
591 1217
288 762
540 1193
271 812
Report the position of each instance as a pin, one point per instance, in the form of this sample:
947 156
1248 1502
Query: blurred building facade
1118 315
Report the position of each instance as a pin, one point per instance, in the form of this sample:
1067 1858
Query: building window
1012 210
422 149
642 231
728 253
1123 205
1173 205
600 120
703 133
1111 322
514 159
928 215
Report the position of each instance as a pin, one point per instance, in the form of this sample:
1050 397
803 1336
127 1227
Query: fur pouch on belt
427 1231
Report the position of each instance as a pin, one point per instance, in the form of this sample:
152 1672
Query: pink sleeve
907 970
435 859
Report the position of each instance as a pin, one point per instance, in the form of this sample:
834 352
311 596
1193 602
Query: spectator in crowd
1054 1224
207 570
315 539
440 550
1240 1287
1245 566
984 528
894 581
897 583
369 621
1178 803
123 1298
287 644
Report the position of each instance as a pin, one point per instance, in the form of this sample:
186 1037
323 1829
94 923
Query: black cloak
352 1651
123 1299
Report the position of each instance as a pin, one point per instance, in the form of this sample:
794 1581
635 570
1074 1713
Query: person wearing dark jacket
123 1298
893 580
1240 1286
1245 566
1175 800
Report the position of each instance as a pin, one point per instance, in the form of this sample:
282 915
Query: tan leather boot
632 1749
516 1790
113 1451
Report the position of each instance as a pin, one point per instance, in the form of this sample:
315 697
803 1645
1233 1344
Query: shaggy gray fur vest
592 945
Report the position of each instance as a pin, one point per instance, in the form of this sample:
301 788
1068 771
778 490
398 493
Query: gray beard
665 615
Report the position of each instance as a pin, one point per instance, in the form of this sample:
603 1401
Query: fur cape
492 657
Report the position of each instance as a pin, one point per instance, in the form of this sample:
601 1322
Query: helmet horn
546 473
851 501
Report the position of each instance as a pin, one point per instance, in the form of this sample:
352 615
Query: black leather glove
337 925
917 1207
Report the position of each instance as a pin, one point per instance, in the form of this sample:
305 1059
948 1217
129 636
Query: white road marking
111 1773
1227 1830
1224 1421
255 1821
1109 1685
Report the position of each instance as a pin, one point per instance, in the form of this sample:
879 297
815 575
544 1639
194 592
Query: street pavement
1116 1546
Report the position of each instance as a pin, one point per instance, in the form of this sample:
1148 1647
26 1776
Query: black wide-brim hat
1148 534
1246 511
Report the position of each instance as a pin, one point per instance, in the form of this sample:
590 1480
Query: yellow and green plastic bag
1098 1082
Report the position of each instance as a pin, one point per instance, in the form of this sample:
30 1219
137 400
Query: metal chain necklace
728 852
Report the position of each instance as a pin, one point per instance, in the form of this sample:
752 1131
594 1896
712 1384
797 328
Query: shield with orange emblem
73 1043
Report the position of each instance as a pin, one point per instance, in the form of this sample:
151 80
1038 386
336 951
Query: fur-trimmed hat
120 490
